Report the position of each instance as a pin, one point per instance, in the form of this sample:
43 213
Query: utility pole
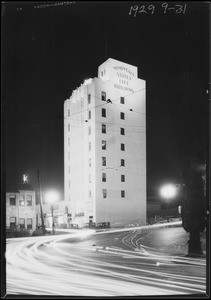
40 194
53 231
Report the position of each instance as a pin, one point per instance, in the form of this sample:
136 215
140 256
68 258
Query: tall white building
105 148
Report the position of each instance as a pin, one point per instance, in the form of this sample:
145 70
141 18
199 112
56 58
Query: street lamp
168 191
51 197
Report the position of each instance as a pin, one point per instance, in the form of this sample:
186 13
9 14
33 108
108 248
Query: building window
103 128
12 222
103 112
68 127
103 96
29 223
123 147
89 130
89 114
122 100
122 194
22 223
104 177
28 200
90 193
12 200
103 145
122 115
68 141
90 146
122 178
104 191
122 131
122 162
68 113
101 73
90 178
90 162
89 98
21 200
103 161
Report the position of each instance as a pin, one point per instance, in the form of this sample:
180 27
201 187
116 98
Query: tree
190 114
192 140
193 204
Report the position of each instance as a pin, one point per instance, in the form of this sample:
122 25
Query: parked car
103 225
91 225
74 226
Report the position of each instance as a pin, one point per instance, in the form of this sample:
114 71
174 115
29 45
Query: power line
100 105
111 130
106 123
119 124
130 109
119 166
87 109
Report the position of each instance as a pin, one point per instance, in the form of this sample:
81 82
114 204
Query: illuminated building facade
105 148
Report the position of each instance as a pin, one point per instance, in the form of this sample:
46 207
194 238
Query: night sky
48 51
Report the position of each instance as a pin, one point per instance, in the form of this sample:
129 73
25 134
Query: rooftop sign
122 74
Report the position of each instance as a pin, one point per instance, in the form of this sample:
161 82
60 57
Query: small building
20 206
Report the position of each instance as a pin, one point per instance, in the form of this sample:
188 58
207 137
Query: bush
10 233
39 232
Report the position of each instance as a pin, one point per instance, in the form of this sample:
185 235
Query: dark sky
48 51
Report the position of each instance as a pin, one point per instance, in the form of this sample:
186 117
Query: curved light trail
71 265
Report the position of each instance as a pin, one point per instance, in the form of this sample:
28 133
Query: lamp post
41 204
168 191
51 197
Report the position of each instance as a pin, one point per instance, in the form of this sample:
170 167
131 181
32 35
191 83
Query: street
137 261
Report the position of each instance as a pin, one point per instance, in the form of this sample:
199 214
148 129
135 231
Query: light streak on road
56 265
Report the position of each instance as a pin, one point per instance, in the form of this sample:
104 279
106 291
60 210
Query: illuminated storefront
60 214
